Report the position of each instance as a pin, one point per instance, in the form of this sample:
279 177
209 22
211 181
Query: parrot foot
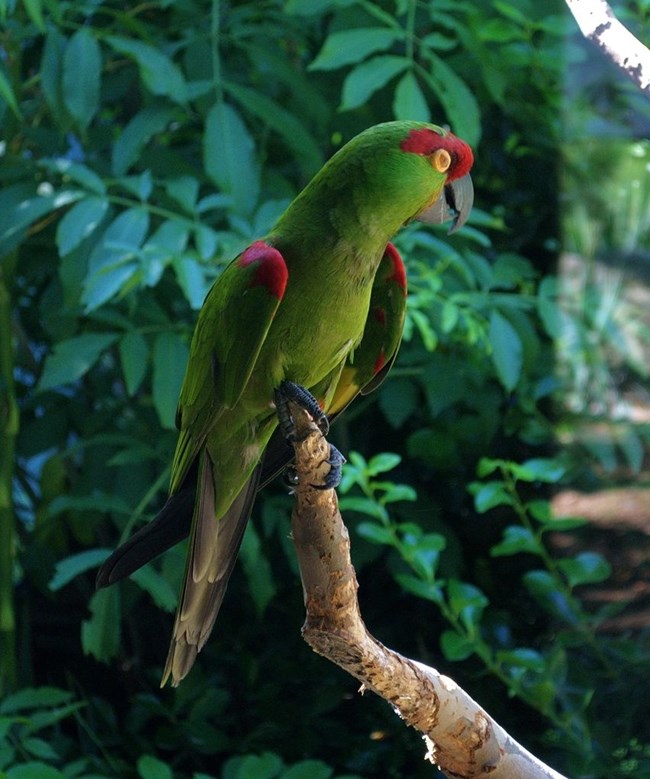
336 461
287 392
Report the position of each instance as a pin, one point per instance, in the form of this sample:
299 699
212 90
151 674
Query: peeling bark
461 738
598 23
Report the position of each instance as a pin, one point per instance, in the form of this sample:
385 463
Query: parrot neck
346 215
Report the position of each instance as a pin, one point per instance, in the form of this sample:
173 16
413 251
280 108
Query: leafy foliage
143 146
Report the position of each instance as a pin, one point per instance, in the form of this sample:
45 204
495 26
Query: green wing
372 359
229 334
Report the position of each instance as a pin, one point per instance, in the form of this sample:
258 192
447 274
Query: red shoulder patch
379 362
425 141
271 271
399 271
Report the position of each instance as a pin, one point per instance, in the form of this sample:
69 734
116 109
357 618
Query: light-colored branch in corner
461 738
598 23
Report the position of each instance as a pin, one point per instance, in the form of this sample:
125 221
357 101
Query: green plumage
292 307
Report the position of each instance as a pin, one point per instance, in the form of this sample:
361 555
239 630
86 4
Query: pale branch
598 23
461 738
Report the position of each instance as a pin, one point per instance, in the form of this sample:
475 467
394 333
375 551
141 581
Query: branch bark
461 738
598 23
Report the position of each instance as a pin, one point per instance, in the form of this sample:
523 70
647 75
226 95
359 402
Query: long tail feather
213 550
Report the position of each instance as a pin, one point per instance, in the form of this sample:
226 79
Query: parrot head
386 177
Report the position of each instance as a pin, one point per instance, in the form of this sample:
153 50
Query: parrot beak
455 202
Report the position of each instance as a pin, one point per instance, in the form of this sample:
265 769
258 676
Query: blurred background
497 487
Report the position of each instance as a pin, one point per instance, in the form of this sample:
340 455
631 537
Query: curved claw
336 462
455 203
289 391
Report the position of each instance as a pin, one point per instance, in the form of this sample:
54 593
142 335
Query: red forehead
425 141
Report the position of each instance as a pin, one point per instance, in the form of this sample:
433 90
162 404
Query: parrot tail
214 546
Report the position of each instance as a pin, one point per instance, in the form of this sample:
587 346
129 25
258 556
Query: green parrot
304 306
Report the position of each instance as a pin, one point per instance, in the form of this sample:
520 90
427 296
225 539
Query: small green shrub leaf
73 358
409 101
82 64
170 355
79 222
70 567
506 350
516 540
346 47
585 568
160 75
229 157
149 767
362 82
456 647
134 358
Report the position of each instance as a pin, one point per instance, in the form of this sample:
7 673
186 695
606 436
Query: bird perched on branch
317 304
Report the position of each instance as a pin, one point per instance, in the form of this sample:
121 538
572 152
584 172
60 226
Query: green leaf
364 506
420 588
184 190
488 495
82 64
73 358
37 747
456 647
458 102
150 767
544 469
160 75
466 601
191 278
543 587
72 566
257 569
21 206
34 698
170 355
134 358
522 658
362 82
115 258
80 222
585 568
516 540
162 593
100 635
34 10
264 766
7 94
52 69
383 462
397 492
409 101
229 157
286 124
506 350
376 534
346 47
308 769
79 173
34 770
138 132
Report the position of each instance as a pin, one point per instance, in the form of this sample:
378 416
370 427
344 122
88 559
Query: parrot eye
441 160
